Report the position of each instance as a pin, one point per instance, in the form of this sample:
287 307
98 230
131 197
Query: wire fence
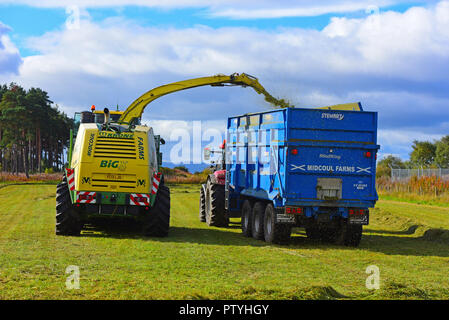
406 174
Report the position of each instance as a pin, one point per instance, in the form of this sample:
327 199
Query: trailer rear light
360 212
294 152
368 154
293 210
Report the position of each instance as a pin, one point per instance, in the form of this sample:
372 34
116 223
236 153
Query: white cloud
9 55
398 142
234 9
298 9
413 45
395 63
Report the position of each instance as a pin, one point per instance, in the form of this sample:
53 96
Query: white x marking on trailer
367 170
302 167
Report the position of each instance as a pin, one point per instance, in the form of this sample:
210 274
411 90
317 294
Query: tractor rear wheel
68 222
247 218
215 205
257 223
202 204
157 220
275 232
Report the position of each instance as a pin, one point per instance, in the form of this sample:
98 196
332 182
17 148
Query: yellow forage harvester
114 163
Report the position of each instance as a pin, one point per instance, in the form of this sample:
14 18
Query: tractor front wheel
214 205
202 214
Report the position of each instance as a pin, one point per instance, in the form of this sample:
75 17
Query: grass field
408 242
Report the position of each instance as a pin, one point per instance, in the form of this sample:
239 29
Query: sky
392 56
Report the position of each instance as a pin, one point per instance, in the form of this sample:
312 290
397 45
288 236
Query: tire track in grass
412 220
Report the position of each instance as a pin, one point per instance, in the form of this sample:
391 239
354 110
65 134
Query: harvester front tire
215 205
157 221
278 233
247 218
258 220
202 210
68 222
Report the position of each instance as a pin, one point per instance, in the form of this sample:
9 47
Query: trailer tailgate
331 158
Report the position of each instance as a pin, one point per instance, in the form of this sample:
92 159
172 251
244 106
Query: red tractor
212 193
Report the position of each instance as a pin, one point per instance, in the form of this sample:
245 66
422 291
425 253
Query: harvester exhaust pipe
106 115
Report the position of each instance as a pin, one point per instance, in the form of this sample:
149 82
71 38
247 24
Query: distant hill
192 167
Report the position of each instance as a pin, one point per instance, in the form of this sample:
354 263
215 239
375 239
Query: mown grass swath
408 242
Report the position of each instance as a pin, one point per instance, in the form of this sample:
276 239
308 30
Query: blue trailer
312 168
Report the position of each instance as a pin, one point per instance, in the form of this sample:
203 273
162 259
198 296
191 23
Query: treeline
33 132
425 154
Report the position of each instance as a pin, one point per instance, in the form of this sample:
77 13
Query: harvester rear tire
258 220
215 205
278 233
157 221
247 218
202 210
68 222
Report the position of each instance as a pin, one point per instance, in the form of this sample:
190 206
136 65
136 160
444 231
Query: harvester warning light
92 108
